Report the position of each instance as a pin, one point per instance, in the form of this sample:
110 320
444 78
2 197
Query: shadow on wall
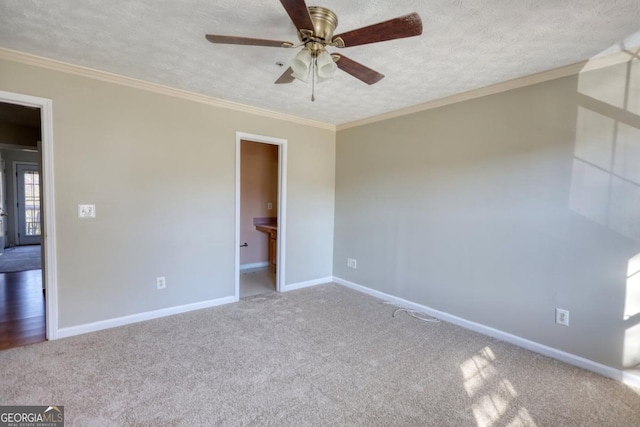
500 209
605 183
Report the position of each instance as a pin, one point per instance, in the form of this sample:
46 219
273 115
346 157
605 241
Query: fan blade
299 14
214 38
286 77
397 28
358 70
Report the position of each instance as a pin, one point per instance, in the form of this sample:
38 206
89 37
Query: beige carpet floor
319 356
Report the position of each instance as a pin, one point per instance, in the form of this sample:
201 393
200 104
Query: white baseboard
294 286
254 265
140 317
631 379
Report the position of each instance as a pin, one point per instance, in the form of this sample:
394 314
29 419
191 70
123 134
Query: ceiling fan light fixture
326 67
301 65
315 28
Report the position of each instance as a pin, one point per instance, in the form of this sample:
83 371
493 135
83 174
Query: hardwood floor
22 305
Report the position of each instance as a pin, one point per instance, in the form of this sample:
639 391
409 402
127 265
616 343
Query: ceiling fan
315 27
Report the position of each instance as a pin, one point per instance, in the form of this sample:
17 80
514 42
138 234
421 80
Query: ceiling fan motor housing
324 24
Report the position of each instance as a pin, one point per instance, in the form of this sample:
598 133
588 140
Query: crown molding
55 65
532 79
544 76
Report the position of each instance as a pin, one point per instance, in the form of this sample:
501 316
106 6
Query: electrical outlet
161 282
352 263
86 211
269 206
562 317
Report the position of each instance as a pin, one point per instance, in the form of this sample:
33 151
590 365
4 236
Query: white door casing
49 260
3 206
282 206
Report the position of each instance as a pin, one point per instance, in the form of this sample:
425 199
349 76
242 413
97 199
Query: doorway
260 214
22 297
27 205
21 207
28 294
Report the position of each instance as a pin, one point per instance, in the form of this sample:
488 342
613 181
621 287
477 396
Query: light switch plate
86 211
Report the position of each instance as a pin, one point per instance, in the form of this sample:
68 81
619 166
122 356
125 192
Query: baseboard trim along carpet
572 359
140 317
254 265
300 285
149 315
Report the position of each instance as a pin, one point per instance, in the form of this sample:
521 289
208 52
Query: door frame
16 221
47 216
4 226
282 206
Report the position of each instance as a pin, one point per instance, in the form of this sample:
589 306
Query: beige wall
161 171
500 209
258 187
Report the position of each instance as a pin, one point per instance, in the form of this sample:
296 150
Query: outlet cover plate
562 316
86 211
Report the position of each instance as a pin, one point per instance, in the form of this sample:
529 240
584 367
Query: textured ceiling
465 45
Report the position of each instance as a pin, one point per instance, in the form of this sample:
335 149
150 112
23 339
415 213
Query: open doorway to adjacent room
258 217
22 296
259 220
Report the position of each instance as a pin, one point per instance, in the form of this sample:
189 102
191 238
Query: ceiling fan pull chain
313 78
